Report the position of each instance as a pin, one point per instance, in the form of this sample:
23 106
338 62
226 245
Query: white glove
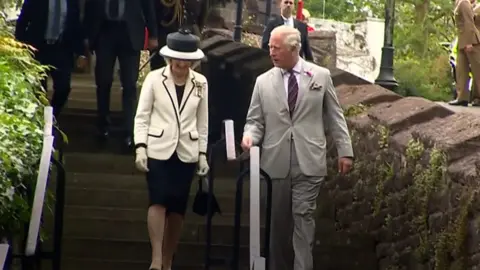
202 165
141 159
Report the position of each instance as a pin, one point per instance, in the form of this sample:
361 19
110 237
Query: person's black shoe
103 134
476 102
127 145
128 141
457 102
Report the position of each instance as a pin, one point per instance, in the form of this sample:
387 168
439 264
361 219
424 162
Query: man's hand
153 44
469 48
81 62
345 165
246 143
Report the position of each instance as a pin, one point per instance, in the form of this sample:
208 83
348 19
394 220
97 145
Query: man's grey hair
291 35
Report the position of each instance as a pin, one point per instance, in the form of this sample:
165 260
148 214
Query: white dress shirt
288 21
286 75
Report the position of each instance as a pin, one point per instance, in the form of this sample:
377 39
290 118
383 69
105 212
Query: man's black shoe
457 102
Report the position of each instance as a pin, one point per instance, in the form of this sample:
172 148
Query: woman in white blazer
170 134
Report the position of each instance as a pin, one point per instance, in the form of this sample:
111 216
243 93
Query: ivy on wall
408 196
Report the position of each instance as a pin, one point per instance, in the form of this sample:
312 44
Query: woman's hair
194 65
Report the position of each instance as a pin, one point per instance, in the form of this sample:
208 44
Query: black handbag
200 203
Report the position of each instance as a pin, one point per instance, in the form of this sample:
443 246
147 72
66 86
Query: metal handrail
212 154
238 219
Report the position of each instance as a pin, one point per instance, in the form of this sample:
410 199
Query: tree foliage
421 63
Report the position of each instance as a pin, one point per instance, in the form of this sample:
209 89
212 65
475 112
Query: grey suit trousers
293 221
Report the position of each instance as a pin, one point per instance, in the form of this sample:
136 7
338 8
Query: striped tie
292 91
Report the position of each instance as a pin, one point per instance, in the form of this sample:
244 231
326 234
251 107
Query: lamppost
385 77
237 34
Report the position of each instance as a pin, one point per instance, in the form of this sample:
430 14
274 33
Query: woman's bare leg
156 227
173 232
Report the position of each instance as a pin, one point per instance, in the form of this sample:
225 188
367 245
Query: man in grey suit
289 106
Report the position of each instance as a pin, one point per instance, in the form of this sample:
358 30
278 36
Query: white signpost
3 254
230 140
41 185
256 261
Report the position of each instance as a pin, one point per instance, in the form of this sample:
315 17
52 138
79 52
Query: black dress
169 181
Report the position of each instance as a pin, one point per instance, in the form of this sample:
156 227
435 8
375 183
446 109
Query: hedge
22 102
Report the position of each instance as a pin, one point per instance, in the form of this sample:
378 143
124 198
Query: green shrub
428 78
22 102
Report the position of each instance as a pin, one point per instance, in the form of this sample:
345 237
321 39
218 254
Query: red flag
300 10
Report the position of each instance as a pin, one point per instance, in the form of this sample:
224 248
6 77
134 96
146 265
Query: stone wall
324 48
323 44
359 45
414 188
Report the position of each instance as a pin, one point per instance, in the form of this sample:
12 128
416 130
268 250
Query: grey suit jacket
269 122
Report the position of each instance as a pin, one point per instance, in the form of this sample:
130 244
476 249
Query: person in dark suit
171 15
53 27
286 18
116 29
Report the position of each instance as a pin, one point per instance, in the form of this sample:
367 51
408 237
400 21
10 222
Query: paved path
470 109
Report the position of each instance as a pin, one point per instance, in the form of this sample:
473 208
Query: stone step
83 264
125 164
91 104
100 163
124 198
136 230
137 214
140 251
222 185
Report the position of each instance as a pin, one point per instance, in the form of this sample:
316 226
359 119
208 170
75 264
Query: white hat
182 45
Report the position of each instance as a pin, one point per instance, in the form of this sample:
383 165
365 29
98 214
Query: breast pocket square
315 86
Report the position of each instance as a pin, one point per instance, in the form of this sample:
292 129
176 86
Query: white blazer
163 126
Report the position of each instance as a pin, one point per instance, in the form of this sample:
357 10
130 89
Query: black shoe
457 102
128 141
103 134
476 102
127 145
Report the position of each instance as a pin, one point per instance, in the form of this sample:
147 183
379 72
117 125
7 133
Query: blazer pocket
156 133
193 135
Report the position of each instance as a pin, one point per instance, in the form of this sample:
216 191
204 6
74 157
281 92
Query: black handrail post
59 202
238 219
211 176
59 211
268 219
